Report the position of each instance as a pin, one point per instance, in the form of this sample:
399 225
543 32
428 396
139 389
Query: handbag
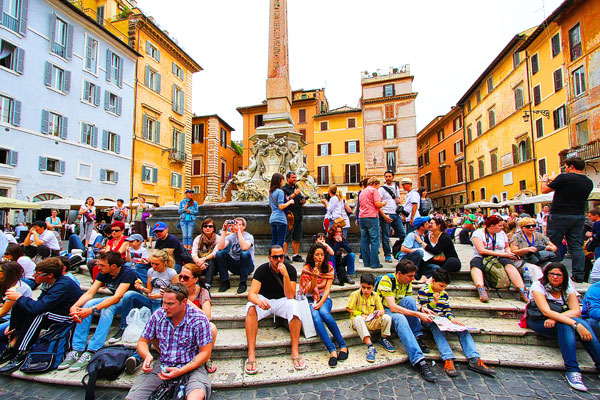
534 312
341 222
308 325
170 389
288 215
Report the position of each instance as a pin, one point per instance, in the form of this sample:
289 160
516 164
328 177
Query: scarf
552 289
206 245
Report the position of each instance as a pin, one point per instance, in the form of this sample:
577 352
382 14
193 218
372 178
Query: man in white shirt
542 219
235 254
387 214
411 203
41 242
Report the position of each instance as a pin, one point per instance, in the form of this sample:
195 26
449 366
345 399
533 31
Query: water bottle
90 253
181 392
527 278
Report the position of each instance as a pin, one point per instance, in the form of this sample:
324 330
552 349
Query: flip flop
300 361
250 364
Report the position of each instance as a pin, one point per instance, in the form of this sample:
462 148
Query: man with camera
235 253
412 202
388 217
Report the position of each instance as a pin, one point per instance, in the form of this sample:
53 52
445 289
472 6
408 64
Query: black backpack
50 349
107 363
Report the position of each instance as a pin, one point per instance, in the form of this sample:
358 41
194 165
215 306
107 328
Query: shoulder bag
534 312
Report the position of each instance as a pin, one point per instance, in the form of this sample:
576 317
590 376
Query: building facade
66 104
215 158
338 149
389 122
442 161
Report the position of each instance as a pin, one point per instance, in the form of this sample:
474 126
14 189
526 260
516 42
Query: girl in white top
334 207
87 213
14 252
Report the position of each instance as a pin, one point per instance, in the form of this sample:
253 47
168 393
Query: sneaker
14 364
350 280
422 345
225 285
298 258
576 381
7 354
242 287
450 369
336 281
69 360
388 259
131 365
425 371
386 345
475 364
117 336
483 296
371 353
377 266
81 362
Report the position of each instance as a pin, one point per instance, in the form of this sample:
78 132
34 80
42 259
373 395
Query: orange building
215 157
442 161
305 105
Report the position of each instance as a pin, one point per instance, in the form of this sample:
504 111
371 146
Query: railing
177 156
337 180
107 24
10 22
586 152
58 49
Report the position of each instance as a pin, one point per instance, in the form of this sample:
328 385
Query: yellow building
338 149
500 162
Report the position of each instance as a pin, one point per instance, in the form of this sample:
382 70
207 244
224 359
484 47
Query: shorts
477 262
145 384
284 308
294 234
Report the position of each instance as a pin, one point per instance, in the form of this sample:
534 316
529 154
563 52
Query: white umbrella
7 202
105 203
61 204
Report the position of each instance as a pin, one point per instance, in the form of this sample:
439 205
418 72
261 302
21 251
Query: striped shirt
440 306
361 305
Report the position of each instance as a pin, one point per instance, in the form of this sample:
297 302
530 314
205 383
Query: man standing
41 242
292 191
118 213
567 214
412 201
185 344
388 218
272 292
171 245
235 253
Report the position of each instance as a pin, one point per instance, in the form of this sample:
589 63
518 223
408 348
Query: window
8 157
469 134
522 151
440 135
494 161
108 175
458 147
57 78
178 100
582 132
518 97
61 37
422 181
390 160
11 57
111 141
523 185
114 68
14 15
89 134
389 111
197 166
352 172
535 64
303 133
442 156
51 165
323 175
302 116
352 147
100 15
558 81
469 105
91 93
152 51
324 149
539 127
482 193
175 180
555 45
152 79
481 167
560 117
10 111
537 95
426 157
178 145
149 174
324 125
178 71
91 54
389 131
388 90
258 120
428 181
112 103
54 124
471 171
460 173
457 124
516 59
575 42
351 123
420 162
542 170
490 84
443 177
479 128
223 138
196 189
478 96
579 81
491 118
150 129
197 133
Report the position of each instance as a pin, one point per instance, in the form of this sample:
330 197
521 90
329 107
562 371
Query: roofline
542 27
239 109
218 117
351 111
441 119
307 90
97 25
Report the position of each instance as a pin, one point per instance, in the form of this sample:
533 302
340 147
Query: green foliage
238 149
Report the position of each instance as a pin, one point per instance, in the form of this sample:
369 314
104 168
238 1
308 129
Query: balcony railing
177 155
10 22
587 152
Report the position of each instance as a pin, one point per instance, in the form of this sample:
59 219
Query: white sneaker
576 381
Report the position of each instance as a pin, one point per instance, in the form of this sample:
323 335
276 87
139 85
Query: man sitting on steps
235 254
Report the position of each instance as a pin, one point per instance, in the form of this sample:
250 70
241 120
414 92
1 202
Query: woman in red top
118 242
199 296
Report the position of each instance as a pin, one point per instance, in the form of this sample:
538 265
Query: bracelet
575 325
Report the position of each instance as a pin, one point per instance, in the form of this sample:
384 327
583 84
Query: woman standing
87 213
439 243
426 206
53 223
315 281
188 209
335 208
139 222
202 250
277 201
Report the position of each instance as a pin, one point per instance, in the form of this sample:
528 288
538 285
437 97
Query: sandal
250 364
300 361
210 367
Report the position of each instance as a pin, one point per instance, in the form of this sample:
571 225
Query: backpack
107 363
397 248
50 349
494 275
392 279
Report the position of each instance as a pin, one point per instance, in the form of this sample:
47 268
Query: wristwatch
94 310
575 325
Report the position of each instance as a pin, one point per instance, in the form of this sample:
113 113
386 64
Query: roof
340 110
215 116
264 103
542 27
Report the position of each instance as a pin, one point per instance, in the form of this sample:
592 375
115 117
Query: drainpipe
535 167
465 171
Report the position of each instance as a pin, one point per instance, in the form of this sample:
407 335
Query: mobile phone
163 369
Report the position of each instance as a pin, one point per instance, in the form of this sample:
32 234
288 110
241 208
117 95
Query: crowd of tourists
173 280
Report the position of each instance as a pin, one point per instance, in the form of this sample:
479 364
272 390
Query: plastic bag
308 326
136 320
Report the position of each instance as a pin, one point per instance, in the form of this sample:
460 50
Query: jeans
466 342
423 268
369 241
346 262
595 324
322 317
567 341
187 231
408 329
570 227
82 331
132 299
278 231
385 232
242 267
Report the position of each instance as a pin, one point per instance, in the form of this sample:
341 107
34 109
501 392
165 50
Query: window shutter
120 72
88 53
86 91
119 105
319 178
182 102
108 63
52 30
104 139
395 130
67 82
69 44
319 150
144 168
182 74
45 116
179 178
515 154
106 100
116 176
158 55
154 175
61 167
118 144
13 157
158 81
145 126
95 136
172 179
43 163
16 113
23 21
102 174
157 132
558 80
383 132
147 77
182 143
20 62
174 103
83 133
147 47
528 149
97 94
48 74
346 173
174 68
63 127
346 147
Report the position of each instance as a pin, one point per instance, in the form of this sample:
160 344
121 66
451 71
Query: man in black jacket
29 317
171 245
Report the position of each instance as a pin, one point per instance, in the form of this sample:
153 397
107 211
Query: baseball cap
160 226
189 191
417 222
406 180
135 236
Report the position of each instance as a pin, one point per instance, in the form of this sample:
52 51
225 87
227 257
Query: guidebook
446 325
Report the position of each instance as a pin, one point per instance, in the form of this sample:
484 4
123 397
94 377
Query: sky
448 44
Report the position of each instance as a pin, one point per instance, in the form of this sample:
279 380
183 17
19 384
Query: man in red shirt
370 203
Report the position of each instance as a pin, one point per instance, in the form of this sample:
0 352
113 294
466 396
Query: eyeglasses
208 226
184 278
40 273
278 256
555 275
115 230
529 226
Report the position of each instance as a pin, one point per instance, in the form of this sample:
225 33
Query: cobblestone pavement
385 384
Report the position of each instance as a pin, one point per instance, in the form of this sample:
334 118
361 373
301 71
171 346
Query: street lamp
527 114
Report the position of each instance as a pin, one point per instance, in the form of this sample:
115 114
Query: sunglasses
208 226
177 288
529 226
39 274
115 230
184 278
278 257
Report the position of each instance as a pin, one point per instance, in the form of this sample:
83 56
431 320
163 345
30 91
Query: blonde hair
373 181
164 257
526 221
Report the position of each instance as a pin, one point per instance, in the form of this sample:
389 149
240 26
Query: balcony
587 152
10 22
175 155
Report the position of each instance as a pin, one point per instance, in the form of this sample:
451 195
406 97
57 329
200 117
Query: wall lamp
527 114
